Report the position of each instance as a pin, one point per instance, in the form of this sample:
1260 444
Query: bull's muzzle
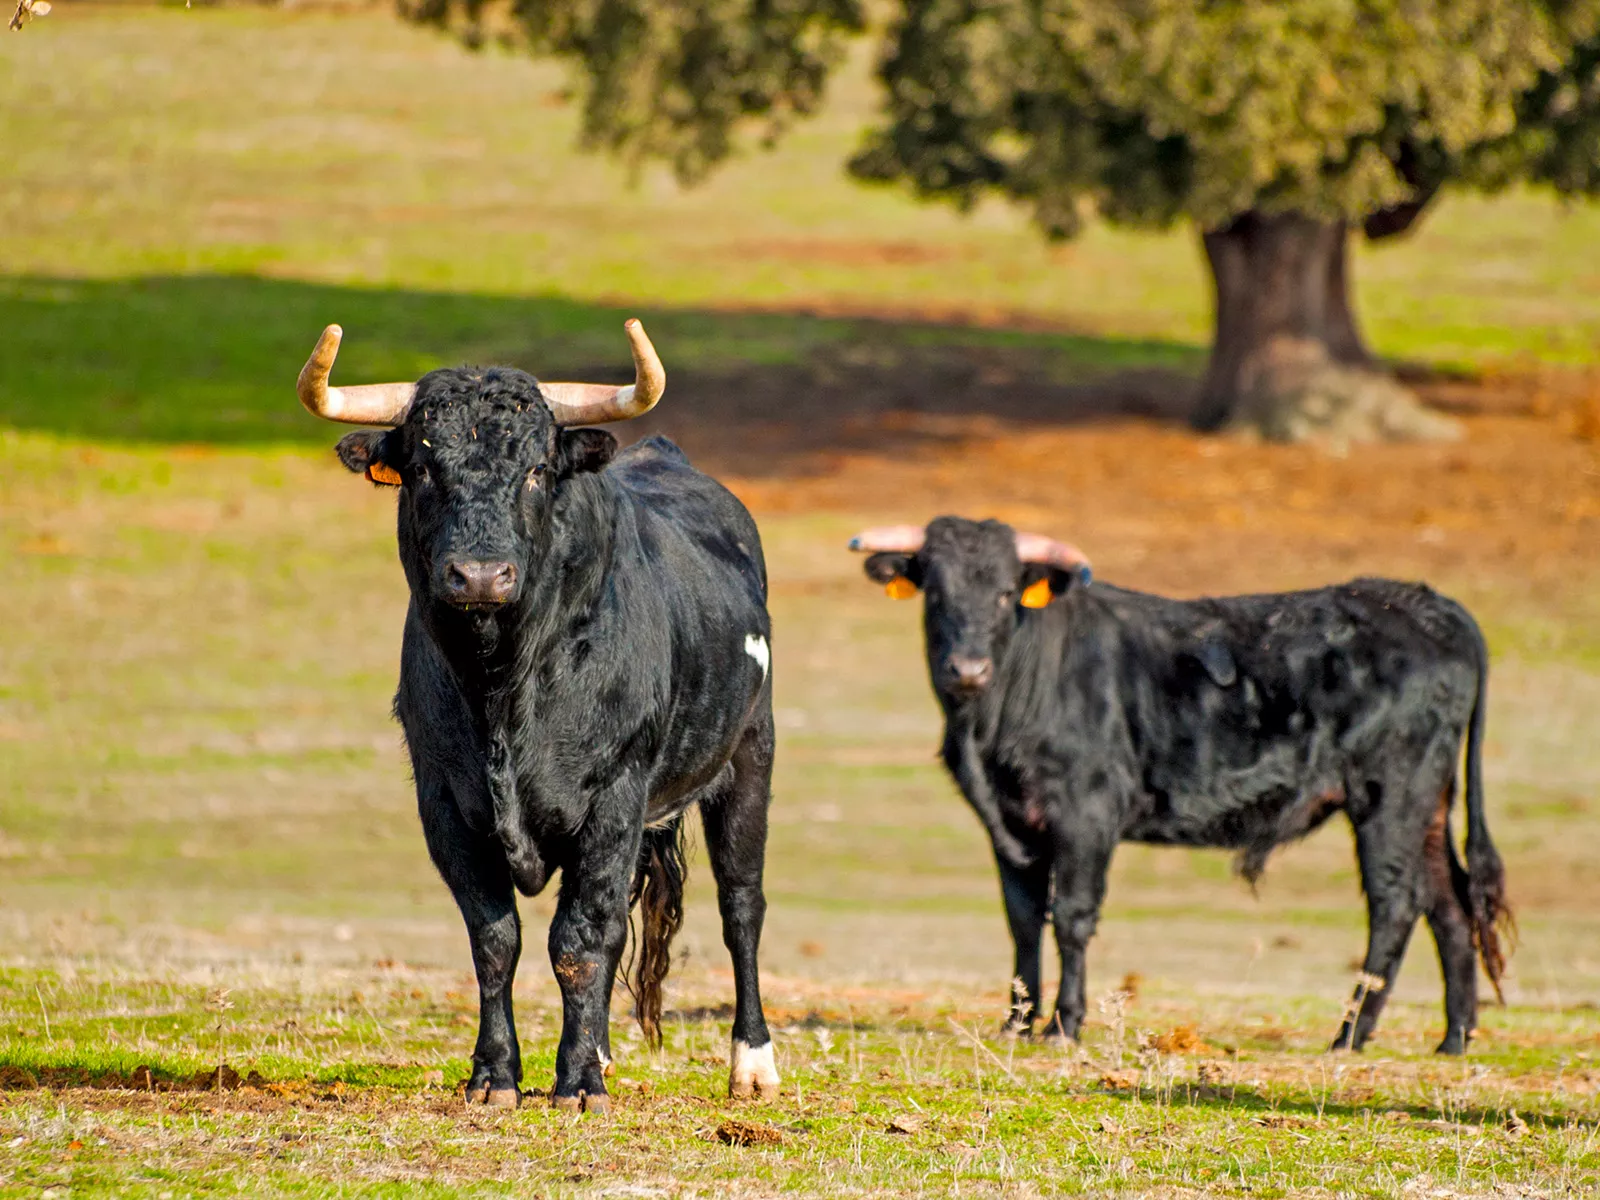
968 674
469 583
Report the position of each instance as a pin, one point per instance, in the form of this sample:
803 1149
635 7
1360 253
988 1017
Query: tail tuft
1494 928
658 895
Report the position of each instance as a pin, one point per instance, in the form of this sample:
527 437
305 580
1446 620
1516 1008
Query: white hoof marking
754 1073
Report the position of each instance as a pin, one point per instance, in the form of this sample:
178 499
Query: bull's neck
503 664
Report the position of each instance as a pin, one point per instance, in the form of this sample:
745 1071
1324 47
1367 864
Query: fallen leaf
748 1133
1274 1120
1185 1039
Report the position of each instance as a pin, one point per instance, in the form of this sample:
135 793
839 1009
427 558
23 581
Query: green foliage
1166 107
672 79
1140 110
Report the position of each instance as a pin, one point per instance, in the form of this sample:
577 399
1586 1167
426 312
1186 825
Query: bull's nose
969 673
468 581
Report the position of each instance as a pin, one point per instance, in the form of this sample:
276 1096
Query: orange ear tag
383 473
900 588
1037 594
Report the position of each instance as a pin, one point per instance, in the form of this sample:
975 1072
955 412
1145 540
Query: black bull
1244 722
585 657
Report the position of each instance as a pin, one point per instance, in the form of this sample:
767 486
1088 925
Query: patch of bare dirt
1111 465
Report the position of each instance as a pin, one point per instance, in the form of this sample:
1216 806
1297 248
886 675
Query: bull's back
1242 700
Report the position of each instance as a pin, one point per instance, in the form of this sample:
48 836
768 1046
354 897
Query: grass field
208 853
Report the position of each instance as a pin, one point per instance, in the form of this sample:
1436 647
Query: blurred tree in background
1277 128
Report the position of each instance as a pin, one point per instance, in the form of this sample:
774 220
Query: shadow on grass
213 359
1309 1110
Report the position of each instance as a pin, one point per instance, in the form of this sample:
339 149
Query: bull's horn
366 404
595 403
906 539
1036 548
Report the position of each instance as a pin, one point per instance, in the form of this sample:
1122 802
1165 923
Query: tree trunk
1288 359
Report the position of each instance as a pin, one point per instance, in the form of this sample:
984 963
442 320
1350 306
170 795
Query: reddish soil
1112 466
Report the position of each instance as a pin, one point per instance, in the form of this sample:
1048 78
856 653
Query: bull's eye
533 477
420 473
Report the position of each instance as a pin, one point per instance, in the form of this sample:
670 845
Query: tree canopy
1329 114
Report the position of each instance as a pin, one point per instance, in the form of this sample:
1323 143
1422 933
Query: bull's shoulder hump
654 450
676 504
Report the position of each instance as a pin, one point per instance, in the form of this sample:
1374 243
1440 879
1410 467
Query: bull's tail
658 895
1482 887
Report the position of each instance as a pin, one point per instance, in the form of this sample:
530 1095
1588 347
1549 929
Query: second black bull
1078 717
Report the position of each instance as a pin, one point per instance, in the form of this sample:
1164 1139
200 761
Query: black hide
1242 722
615 674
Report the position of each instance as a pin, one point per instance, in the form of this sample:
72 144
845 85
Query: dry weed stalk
1113 1006
26 11
1366 984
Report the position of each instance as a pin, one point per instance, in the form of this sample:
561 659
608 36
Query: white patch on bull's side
756 647
753 1072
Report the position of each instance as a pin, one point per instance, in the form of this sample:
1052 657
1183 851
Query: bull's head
479 458
975 577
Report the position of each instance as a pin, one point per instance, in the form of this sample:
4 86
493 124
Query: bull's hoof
754 1074
1055 1033
589 1102
759 1090
1455 1042
494 1097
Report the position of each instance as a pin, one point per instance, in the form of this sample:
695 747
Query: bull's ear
899 573
366 453
1042 583
585 450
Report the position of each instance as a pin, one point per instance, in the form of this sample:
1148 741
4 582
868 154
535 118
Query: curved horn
366 404
907 539
595 403
1036 548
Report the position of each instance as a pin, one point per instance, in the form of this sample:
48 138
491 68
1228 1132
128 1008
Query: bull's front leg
1081 863
1026 892
474 867
586 942
965 764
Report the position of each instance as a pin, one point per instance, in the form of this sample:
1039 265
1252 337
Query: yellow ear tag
383 473
900 588
1037 594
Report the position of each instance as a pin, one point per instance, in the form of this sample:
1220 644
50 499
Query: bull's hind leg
475 870
1452 932
1391 831
736 837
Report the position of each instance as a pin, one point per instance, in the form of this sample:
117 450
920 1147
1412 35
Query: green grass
210 855
889 1101
178 227
208 845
